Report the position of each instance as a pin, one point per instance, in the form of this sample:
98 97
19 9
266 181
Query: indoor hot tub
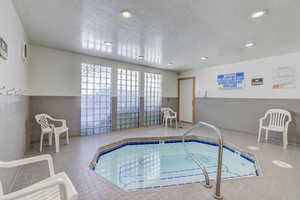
144 163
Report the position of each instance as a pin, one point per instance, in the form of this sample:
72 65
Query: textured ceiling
163 31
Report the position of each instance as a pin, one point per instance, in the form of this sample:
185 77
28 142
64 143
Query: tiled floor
276 183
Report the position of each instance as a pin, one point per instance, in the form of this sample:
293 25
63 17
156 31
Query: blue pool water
141 165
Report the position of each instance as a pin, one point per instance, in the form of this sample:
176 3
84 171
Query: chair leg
56 142
41 142
176 122
50 139
285 139
67 137
166 123
259 135
267 135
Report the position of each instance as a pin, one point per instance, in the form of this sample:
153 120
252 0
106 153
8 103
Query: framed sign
257 81
284 77
231 81
3 49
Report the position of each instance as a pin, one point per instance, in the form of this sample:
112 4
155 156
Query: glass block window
95 99
128 99
152 99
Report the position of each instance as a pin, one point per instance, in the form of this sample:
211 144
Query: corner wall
262 68
240 109
14 110
55 85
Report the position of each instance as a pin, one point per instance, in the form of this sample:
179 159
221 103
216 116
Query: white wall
13 74
57 73
206 78
13 71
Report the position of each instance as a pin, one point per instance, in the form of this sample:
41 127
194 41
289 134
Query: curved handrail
202 167
217 194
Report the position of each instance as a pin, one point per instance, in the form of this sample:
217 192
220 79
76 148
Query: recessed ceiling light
204 58
249 44
258 14
108 43
170 63
141 58
126 14
282 164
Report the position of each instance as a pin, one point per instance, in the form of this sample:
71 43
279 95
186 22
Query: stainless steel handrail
202 167
217 194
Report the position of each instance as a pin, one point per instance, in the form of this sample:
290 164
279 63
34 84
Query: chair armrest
36 188
63 121
261 120
286 126
26 161
173 112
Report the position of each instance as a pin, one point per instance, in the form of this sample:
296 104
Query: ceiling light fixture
249 44
259 14
126 14
108 43
204 58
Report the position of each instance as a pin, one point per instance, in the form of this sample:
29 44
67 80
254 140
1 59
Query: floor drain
282 164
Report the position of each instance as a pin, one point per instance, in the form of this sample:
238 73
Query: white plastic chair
168 114
277 120
50 129
56 187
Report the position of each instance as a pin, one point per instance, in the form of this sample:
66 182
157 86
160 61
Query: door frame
194 96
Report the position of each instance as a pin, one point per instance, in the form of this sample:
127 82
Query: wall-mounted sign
3 49
257 81
231 81
284 77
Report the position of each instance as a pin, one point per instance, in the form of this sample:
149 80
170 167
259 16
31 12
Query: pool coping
176 139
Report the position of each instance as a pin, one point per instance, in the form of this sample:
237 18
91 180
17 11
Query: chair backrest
42 120
278 117
166 111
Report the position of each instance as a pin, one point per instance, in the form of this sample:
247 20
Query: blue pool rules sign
231 81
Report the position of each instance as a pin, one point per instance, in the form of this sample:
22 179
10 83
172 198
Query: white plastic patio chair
168 114
277 120
56 187
50 129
